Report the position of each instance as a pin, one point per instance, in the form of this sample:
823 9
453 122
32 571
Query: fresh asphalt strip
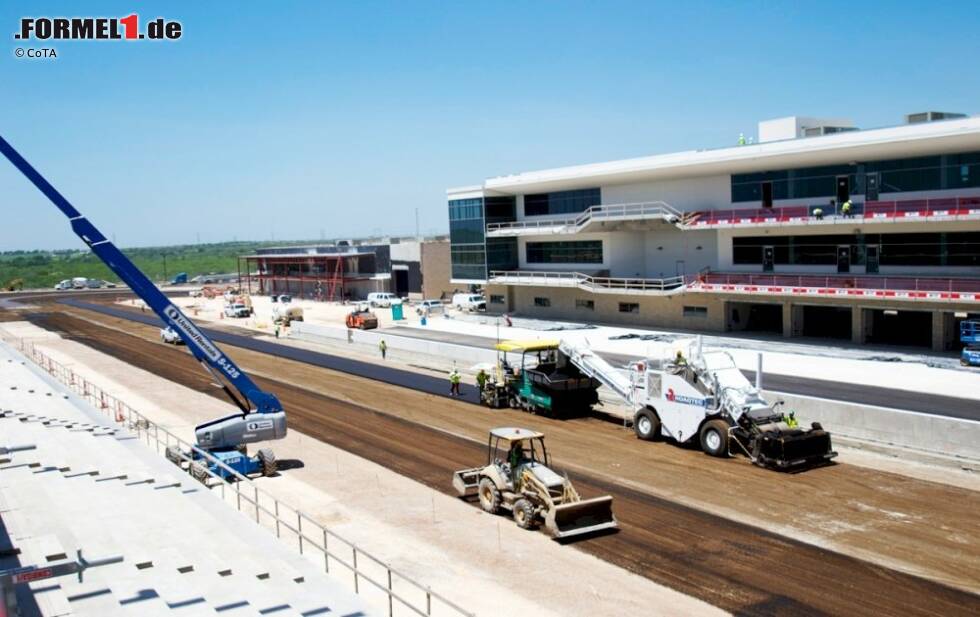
407 379
906 400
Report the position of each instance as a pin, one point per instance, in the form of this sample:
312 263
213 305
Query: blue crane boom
230 431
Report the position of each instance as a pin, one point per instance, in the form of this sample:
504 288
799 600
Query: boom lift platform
708 400
223 438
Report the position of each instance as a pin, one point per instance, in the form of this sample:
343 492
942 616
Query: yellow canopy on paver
527 345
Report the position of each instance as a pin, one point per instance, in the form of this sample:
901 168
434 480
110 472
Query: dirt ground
901 525
477 560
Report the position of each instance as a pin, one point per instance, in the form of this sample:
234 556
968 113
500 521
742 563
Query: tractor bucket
794 449
581 517
466 481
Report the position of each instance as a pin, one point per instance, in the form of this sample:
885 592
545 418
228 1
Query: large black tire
714 438
268 460
489 496
524 514
646 425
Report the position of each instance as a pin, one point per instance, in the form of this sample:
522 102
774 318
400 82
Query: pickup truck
170 336
236 310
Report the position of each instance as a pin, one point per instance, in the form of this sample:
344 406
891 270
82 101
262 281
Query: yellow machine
518 477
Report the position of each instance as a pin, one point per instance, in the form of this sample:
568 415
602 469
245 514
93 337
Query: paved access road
738 567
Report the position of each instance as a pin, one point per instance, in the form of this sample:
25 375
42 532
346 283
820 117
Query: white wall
665 249
699 193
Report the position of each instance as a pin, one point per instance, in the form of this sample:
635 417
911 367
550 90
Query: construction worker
818 213
454 380
481 379
679 359
790 420
277 330
383 348
845 208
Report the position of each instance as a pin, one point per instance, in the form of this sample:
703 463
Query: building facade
754 237
344 270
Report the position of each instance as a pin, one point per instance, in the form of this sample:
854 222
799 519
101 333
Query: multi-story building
752 237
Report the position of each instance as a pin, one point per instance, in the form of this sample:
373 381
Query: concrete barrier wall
434 354
906 429
918 431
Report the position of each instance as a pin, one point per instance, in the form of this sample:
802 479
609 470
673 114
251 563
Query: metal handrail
595 282
886 283
645 208
122 413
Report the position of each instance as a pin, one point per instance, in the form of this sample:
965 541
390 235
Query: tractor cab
515 449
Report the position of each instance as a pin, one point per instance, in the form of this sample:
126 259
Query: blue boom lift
225 438
970 334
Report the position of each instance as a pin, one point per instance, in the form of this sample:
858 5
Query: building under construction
346 270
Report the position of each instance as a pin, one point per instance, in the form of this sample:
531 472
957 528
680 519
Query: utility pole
417 235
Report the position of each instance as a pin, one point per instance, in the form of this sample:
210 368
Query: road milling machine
706 399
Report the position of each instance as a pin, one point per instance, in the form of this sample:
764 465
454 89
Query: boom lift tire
524 514
714 438
646 425
489 496
268 460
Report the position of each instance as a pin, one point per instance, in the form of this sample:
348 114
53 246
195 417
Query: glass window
561 202
502 254
588 305
496 299
542 302
902 249
468 261
925 173
580 252
500 209
695 311
629 307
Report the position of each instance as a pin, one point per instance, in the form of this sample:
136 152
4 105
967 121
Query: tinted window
581 252
562 202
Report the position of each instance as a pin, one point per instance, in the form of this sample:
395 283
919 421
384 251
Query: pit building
753 237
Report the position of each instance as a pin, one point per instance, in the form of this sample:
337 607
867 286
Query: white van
469 302
382 299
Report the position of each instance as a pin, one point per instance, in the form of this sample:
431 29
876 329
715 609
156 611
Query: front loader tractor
518 478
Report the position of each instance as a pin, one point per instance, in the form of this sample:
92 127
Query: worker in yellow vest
454 380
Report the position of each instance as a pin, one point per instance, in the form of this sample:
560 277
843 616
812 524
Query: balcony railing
949 206
653 209
585 281
888 283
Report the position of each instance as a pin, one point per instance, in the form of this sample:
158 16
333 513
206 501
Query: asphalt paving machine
542 380
518 477
226 438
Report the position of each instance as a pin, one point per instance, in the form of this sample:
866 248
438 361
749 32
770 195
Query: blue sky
289 120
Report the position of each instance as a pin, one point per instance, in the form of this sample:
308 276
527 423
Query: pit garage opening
755 317
894 327
833 322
